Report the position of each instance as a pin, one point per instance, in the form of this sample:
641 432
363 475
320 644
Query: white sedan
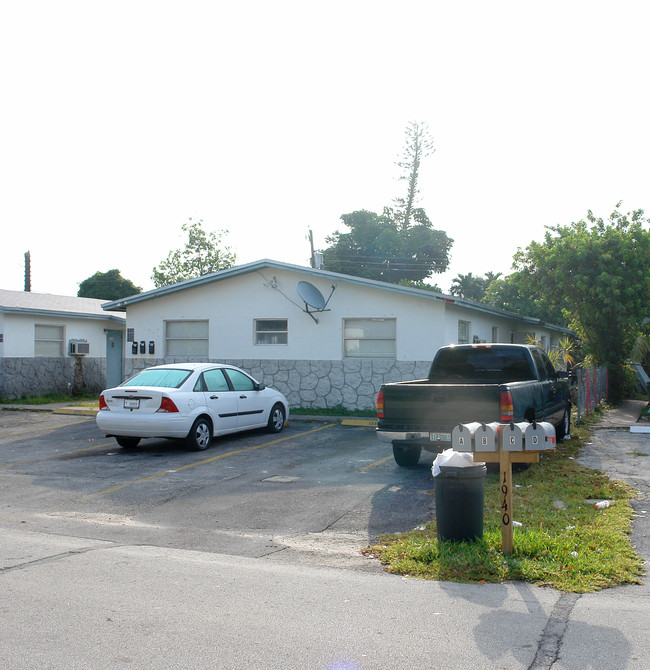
191 401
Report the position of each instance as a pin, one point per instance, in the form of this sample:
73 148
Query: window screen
48 340
271 331
463 331
369 338
186 338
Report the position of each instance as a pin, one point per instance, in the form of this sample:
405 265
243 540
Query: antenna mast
312 258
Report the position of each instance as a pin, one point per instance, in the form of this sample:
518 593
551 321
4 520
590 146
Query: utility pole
28 272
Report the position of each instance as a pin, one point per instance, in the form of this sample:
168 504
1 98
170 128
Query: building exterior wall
24 374
18 330
350 383
29 376
232 305
311 369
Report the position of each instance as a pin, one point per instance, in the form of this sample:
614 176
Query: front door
113 358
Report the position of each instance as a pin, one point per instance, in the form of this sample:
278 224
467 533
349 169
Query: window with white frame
186 338
271 331
464 328
48 340
369 338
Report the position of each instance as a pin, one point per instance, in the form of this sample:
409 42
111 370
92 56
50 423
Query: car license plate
440 437
131 403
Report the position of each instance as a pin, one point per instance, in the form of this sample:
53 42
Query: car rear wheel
128 442
200 435
406 455
276 419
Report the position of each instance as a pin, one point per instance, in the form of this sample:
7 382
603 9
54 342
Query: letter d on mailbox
539 436
463 435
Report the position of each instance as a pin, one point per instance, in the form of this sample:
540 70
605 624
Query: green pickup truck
467 383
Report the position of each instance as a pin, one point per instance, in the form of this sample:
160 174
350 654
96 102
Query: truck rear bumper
391 436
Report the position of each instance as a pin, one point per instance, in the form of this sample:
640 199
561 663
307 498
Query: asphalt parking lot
315 493
246 556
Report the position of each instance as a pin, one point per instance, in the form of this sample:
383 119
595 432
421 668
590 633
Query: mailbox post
505 444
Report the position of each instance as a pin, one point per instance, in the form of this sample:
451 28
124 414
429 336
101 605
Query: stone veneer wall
36 376
352 383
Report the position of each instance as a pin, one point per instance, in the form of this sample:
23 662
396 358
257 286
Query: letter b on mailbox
485 437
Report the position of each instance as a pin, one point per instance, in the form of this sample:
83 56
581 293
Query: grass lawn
563 542
48 398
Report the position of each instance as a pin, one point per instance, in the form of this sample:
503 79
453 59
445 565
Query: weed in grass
572 547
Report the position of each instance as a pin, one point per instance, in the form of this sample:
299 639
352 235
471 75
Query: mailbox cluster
509 436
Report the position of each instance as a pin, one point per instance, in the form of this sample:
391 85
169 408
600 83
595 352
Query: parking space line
205 461
56 455
376 463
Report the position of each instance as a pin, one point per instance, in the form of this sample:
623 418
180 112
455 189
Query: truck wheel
406 455
564 427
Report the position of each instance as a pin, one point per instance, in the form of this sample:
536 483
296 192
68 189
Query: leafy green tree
378 247
520 293
399 245
201 255
598 272
471 287
107 286
419 145
467 286
424 286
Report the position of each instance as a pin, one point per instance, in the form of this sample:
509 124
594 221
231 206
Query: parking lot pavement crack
57 557
550 643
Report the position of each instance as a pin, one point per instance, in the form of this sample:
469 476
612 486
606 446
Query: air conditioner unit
79 347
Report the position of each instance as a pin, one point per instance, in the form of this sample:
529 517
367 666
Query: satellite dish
311 295
313 298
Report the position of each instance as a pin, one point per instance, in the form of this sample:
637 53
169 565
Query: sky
120 121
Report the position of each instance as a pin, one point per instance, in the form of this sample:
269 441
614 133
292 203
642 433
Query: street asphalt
71 603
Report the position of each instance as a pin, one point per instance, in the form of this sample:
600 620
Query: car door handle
214 397
243 396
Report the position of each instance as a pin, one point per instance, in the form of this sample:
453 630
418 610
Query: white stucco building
36 332
255 316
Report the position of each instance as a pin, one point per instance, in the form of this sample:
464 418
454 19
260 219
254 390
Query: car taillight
507 408
167 405
380 404
102 404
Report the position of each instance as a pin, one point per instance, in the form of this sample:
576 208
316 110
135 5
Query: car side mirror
562 374
259 387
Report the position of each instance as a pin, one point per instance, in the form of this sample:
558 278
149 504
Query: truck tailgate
430 407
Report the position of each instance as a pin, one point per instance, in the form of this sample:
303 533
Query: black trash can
460 495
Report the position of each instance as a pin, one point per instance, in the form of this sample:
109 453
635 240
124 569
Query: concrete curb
61 408
76 411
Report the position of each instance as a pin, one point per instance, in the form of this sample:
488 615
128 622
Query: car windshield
167 378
